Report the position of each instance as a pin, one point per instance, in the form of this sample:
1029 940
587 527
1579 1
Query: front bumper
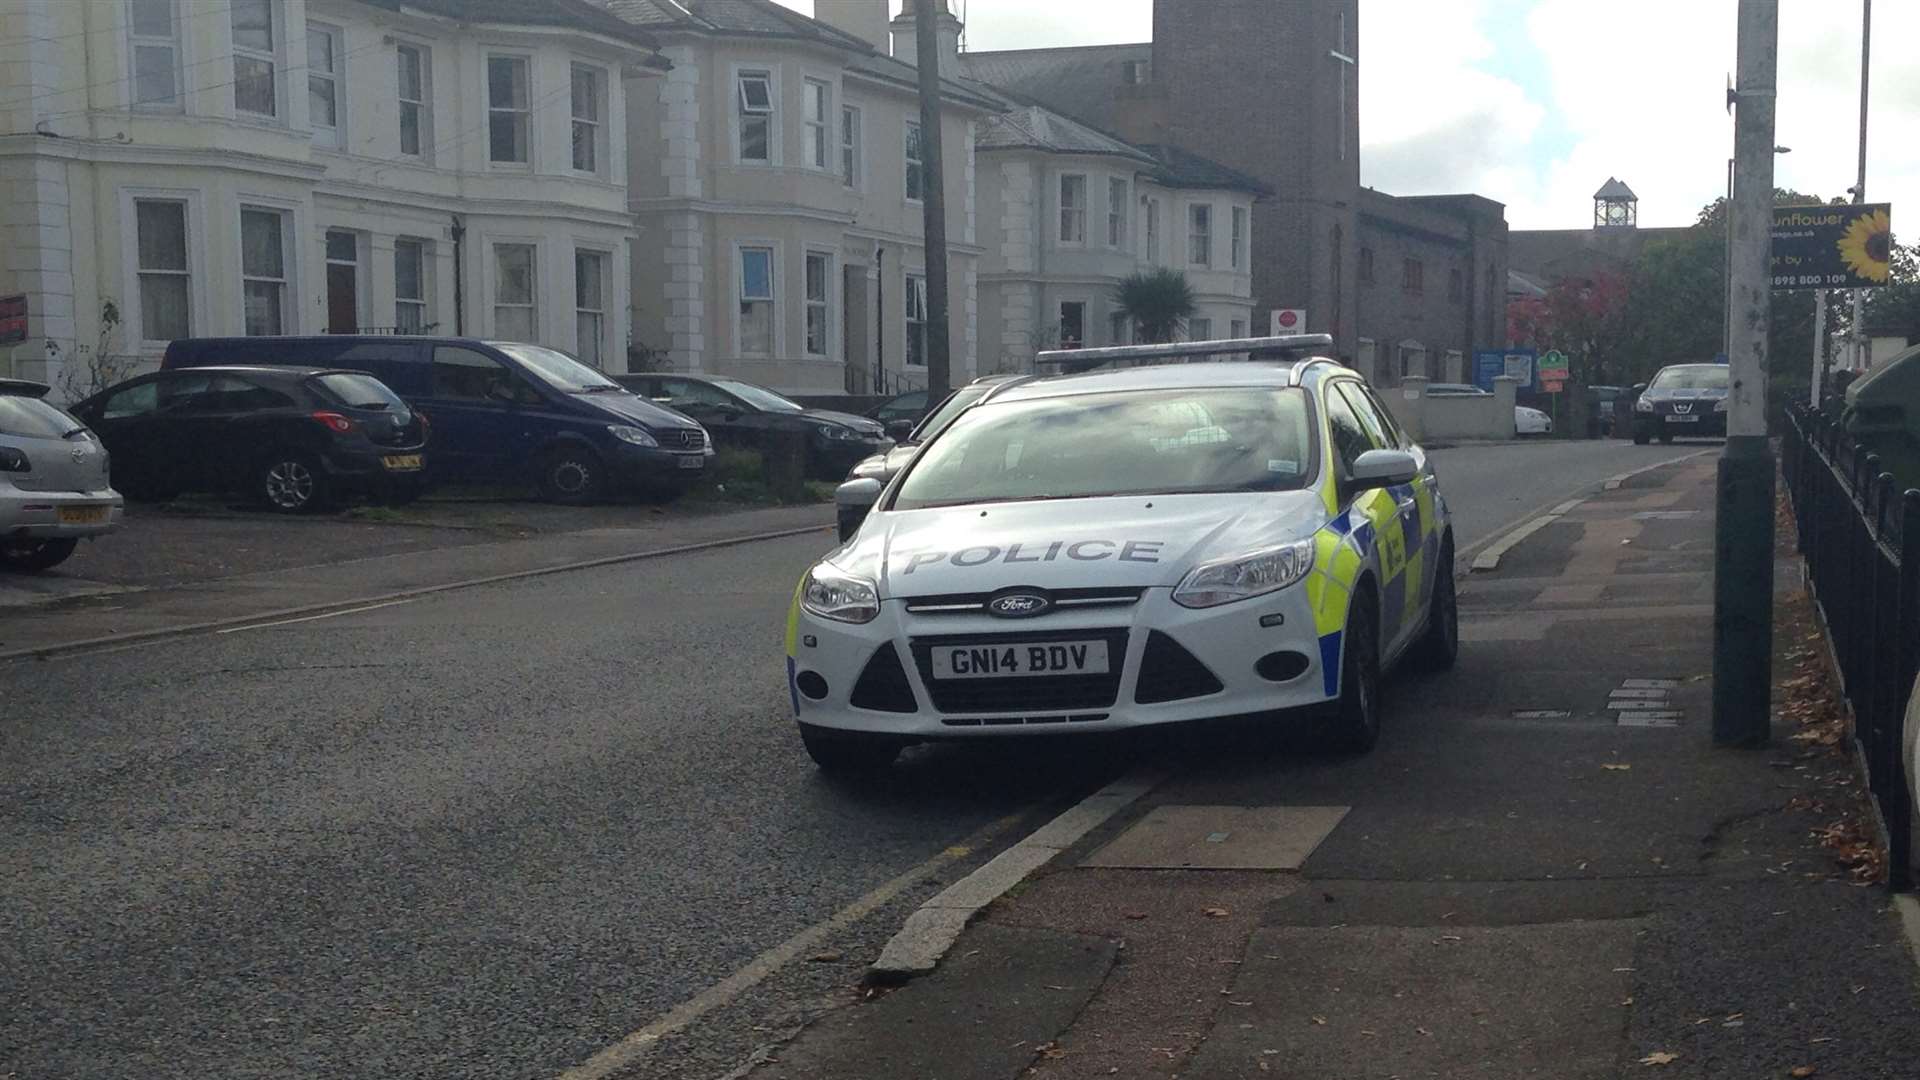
35 515
1710 423
1155 685
834 458
644 466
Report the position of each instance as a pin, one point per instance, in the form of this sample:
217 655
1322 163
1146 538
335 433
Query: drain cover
1650 684
1541 714
1651 718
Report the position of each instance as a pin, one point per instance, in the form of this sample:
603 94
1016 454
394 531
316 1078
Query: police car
1123 548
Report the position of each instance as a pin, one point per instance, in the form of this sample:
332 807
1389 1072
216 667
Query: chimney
864 19
904 46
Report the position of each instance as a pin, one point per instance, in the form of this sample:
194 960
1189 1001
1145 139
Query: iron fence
1861 541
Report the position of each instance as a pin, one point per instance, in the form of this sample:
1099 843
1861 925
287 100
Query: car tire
1440 646
849 755
571 476
1641 436
36 555
291 482
1352 724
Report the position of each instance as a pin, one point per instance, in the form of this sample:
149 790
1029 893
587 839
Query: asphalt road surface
484 834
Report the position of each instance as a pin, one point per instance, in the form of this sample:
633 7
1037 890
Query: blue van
500 410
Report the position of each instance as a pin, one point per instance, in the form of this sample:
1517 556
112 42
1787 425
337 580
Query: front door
856 329
343 283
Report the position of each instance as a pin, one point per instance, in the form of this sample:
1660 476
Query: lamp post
1726 329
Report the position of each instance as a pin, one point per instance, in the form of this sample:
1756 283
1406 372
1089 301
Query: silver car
53 481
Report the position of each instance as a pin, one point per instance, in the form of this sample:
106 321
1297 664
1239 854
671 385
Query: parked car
1527 420
909 408
54 488
500 411
743 414
883 466
1681 400
296 439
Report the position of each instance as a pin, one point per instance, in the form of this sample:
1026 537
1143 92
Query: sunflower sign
1831 247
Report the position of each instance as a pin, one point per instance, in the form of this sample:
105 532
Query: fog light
812 685
1281 666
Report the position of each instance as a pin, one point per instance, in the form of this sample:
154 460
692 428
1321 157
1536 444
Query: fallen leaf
1216 913
1660 1057
1626 1002
828 957
1135 915
1423 1031
1803 1071
1320 1020
1264 1067
1616 768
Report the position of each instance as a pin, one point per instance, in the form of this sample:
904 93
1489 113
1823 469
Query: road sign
1489 364
1291 320
13 319
1553 366
1831 247
1552 386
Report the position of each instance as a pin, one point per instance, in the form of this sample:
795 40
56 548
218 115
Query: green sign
1553 366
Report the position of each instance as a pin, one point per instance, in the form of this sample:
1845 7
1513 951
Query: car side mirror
899 430
1639 388
857 495
1383 468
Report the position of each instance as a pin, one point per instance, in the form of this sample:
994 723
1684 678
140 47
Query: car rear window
31 418
359 391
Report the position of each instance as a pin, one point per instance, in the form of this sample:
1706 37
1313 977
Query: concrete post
1411 399
1505 389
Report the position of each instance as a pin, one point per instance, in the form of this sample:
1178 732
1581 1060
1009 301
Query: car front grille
1022 721
682 439
1024 695
1063 600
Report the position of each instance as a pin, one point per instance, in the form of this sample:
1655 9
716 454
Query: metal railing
1861 542
426 330
861 381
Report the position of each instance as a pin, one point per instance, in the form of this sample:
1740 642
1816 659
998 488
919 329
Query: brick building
1272 90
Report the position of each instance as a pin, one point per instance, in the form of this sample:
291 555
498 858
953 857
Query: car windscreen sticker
1132 551
1282 465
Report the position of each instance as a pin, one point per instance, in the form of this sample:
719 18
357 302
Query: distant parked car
296 439
908 408
54 489
743 414
1526 419
1682 400
882 466
500 411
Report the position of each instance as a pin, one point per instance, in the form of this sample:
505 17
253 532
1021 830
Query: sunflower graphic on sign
1866 245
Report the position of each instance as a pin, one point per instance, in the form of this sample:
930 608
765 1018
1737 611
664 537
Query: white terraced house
228 167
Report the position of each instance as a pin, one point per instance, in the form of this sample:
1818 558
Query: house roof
887 69
1180 168
1614 189
1034 127
568 14
1080 81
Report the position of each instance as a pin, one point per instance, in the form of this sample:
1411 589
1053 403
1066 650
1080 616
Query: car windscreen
31 418
1151 442
557 369
1701 377
759 396
360 391
957 402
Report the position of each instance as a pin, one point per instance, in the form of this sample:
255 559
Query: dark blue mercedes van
500 411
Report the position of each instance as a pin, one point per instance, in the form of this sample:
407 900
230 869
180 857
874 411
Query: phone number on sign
1811 281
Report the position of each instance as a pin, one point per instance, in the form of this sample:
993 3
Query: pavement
1544 870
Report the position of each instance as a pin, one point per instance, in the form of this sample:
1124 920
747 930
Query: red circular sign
1288 319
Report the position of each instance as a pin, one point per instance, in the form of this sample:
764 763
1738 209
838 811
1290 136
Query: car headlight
1642 405
1245 577
831 594
835 431
632 435
1720 406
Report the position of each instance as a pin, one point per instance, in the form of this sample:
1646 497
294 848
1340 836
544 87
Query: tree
1585 318
1894 308
99 366
1157 302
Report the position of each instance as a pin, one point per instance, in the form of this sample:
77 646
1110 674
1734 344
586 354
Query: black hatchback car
743 414
1682 401
294 438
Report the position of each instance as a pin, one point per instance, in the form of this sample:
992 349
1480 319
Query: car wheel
1353 722
571 476
1641 437
36 554
849 755
1440 645
293 483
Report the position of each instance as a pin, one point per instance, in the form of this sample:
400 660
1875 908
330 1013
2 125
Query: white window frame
1153 229
1119 205
912 157
603 313
1236 328
494 244
1199 238
1237 239
289 263
524 112
817 145
334 137
423 104
1072 216
137 41
741 111
851 138
130 214
422 305
772 250
823 305
1200 328
271 56
913 295
597 123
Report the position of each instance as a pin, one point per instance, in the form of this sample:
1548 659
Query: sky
1535 103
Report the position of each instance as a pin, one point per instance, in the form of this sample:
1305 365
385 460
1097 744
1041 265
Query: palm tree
1157 302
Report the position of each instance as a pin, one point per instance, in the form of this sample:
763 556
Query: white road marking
313 618
1490 558
634 1046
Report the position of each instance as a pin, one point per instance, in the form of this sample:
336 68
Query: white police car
1123 548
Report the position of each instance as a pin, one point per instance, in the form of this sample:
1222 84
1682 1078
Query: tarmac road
486 833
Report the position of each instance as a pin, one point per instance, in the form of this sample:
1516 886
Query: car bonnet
627 406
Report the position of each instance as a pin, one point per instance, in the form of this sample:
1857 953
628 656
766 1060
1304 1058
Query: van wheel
36 554
293 483
571 476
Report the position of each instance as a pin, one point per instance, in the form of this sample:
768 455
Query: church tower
1271 88
1615 206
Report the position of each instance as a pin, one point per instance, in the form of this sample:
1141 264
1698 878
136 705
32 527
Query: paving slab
1220 838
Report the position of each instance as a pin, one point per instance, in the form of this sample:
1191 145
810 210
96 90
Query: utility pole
1858 360
926 32
1819 345
1743 530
